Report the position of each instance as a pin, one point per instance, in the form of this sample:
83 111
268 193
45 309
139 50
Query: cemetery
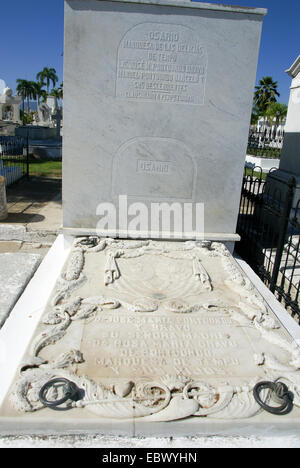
164 304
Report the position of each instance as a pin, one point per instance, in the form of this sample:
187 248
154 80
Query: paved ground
35 203
16 270
34 220
34 211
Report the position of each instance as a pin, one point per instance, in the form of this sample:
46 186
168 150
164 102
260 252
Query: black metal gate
14 158
269 226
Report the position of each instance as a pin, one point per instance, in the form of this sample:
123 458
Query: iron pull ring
282 395
91 241
71 392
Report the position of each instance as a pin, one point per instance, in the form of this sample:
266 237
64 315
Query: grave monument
10 106
290 156
142 336
164 113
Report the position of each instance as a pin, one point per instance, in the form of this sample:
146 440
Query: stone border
28 311
199 6
282 315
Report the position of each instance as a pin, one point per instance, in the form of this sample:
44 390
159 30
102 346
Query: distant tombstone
8 113
2 86
9 104
57 118
52 103
44 114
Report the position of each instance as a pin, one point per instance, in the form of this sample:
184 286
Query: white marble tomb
153 333
164 112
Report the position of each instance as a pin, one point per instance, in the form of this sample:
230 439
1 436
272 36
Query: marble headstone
157 106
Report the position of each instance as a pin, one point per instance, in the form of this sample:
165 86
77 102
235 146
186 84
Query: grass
45 168
37 167
258 175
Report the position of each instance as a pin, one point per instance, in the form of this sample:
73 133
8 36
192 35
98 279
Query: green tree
265 93
21 90
255 115
47 75
27 118
57 92
276 112
40 92
27 90
61 90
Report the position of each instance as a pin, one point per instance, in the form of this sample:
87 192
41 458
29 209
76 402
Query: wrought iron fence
14 162
269 226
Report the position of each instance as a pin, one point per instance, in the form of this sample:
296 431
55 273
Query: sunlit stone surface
155 331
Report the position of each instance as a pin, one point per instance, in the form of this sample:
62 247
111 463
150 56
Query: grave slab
16 270
162 338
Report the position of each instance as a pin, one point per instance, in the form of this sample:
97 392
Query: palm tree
48 75
26 89
61 90
40 92
21 90
57 92
277 112
265 93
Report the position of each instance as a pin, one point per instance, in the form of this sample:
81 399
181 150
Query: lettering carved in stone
163 63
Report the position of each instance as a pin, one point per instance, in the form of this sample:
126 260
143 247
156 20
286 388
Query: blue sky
32 38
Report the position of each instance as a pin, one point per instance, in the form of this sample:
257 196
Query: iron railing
269 226
14 158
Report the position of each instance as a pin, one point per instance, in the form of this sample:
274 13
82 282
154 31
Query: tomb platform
159 338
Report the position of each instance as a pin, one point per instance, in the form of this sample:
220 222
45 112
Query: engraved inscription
146 167
159 167
120 345
163 63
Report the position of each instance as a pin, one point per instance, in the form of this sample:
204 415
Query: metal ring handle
282 394
89 241
71 393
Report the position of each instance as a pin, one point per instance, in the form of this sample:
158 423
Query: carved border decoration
172 396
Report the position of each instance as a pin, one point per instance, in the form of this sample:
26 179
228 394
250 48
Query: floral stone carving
159 331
